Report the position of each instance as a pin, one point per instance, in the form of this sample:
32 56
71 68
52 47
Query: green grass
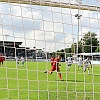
31 83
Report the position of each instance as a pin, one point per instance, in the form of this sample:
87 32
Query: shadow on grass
70 80
60 80
74 81
96 74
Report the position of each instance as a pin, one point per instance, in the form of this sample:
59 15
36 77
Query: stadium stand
13 49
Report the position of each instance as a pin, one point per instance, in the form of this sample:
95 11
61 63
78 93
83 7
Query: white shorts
86 66
22 62
69 63
79 64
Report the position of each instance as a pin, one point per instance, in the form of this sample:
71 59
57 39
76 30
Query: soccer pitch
31 83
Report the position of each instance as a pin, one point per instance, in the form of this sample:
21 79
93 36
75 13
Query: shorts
79 64
69 63
22 62
86 66
55 68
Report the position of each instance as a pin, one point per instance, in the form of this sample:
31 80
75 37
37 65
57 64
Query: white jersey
69 60
80 62
17 59
87 62
22 58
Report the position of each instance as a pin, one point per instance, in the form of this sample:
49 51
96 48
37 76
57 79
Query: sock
78 68
60 76
67 67
88 72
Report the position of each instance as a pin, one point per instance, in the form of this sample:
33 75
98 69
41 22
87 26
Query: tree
68 52
62 54
98 49
90 42
79 46
73 48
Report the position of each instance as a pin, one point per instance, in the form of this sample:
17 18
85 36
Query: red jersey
56 62
52 60
2 58
55 65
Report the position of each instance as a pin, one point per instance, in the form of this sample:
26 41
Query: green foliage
90 42
98 49
61 53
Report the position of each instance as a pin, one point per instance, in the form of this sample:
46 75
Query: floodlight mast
78 17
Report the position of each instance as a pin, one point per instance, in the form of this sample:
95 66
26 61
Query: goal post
56 4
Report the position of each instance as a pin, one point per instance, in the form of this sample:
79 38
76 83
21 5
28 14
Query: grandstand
10 43
14 49
94 57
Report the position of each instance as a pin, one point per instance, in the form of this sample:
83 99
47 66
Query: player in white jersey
80 62
69 62
17 61
23 60
87 64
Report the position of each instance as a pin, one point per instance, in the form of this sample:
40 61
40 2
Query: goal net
32 31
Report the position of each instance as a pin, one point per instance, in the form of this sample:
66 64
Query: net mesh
31 31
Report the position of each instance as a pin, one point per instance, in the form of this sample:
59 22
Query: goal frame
55 4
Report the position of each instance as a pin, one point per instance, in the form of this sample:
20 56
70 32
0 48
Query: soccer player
17 61
69 62
80 62
86 65
52 60
55 66
23 60
2 59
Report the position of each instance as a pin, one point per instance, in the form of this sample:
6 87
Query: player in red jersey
52 60
2 59
55 66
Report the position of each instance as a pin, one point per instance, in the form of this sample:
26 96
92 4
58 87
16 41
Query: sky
88 2
51 28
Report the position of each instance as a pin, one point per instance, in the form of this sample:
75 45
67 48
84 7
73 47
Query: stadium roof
56 4
10 43
91 54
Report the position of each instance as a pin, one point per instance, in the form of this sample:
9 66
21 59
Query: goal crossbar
55 4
